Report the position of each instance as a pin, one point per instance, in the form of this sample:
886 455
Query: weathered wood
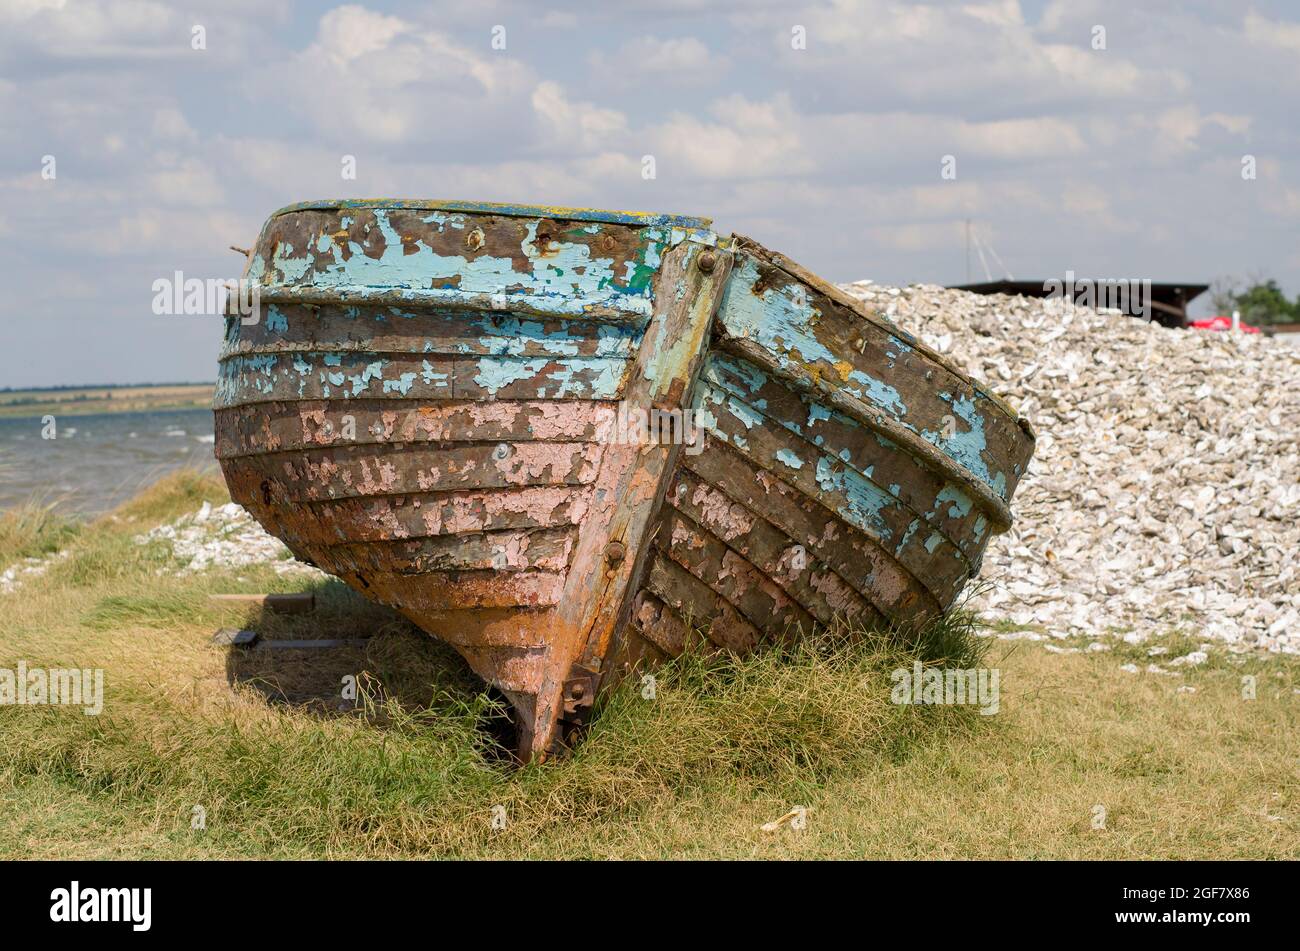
801 323
433 404
391 331
924 490
699 605
359 471
629 488
760 600
282 426
853 555
925 552
785 562
318 375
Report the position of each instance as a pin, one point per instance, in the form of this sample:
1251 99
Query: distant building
1289 332
1167 304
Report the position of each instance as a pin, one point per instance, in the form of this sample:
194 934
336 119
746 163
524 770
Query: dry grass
258 740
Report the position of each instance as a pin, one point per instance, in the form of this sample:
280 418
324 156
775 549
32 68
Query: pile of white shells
1164 493
13 577
223 537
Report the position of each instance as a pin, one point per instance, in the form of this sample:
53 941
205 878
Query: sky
856 137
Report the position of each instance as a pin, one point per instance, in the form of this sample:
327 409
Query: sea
95 462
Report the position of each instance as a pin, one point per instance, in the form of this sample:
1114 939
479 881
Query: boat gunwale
506 209
743 244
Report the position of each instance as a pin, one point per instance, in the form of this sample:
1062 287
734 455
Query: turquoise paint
788 458
276 322
961 503
401 385
361 381
494 374
932 541
564 277
783 326
907 537
864 502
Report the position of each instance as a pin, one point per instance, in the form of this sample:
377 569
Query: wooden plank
244 379
699 605
803 323
813 584
922 489
505 551
390 331
906 535
760 600
343 472
309 424
854 556
538 262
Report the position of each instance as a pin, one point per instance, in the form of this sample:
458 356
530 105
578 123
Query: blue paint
401 385
782 325
961 503
788 458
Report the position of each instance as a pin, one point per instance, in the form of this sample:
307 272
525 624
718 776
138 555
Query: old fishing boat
563 439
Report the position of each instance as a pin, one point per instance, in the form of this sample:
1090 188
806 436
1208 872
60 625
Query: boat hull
564 441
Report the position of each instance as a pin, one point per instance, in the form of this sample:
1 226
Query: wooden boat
563 439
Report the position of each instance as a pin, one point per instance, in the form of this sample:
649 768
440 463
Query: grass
257 739
32 530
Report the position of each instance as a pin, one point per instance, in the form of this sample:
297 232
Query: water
98 461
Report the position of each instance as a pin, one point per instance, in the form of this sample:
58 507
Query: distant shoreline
111 398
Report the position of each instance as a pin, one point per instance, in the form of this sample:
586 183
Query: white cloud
746 139
1265 32
372 78
580 125
676 60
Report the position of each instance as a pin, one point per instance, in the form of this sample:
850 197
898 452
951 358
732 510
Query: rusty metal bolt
577 691
607 243
475 239
615 552
707 261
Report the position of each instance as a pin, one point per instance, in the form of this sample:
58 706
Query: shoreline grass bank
256 740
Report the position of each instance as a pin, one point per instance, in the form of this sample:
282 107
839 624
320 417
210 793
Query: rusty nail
475 239
707 260
615 552
607 243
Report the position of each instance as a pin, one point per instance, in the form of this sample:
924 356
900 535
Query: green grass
258 740
32 530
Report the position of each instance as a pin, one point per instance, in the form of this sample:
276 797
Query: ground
1082 759
92 399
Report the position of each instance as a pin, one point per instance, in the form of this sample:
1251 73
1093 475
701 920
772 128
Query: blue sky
1123 162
